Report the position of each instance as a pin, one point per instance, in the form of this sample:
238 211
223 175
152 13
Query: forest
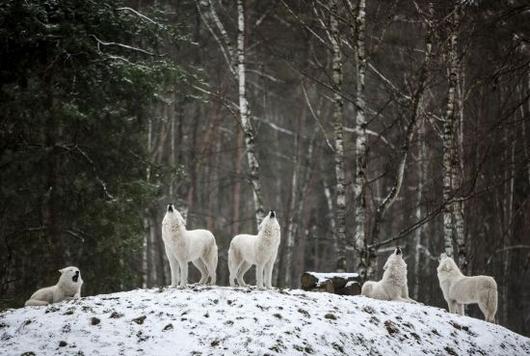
365 125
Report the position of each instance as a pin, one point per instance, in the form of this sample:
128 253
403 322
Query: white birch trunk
448 141
458 164
338 129
246 124
359 184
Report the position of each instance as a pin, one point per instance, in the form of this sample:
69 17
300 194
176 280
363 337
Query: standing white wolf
393 285
68 286
183 246
459 289
260 250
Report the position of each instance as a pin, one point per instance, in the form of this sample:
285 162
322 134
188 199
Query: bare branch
315 116
126 8
105 43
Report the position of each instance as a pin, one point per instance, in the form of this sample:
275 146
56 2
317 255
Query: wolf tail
213 259
366 290
491 304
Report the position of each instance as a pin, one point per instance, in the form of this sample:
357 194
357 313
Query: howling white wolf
260 250
393 286
68 286
459 289
183 246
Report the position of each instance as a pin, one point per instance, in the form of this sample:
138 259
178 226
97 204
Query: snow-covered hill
226 321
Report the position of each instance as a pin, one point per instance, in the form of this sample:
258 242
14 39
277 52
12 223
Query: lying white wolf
68 286
459 289
183 246
393 286
260 250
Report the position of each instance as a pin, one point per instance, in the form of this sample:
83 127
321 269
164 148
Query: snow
243 321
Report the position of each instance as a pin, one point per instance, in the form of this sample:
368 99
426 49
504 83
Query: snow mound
227 321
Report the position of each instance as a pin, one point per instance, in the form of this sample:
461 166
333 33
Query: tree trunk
359 185
244 112
458 165
236 196
448 140
338 129
422 169
291 225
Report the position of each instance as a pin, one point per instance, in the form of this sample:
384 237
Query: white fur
458 289
66 288
393 285
260 250
183 246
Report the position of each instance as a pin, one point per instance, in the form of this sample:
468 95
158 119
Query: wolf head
70 276
395 258
173 217
270 222
447 265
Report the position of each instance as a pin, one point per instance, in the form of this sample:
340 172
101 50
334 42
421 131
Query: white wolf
459 289
68 286
260 250
183 246
393 285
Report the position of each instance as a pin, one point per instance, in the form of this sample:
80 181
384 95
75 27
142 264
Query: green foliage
77 80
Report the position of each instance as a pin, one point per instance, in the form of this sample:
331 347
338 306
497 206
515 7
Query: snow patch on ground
243 321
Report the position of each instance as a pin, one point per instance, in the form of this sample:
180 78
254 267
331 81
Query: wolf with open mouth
68 286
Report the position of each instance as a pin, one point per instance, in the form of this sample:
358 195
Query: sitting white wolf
260 250
459 289
68 286
183 246
393 285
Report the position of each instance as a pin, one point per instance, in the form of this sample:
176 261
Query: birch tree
359 185
450 129
338 130
236 60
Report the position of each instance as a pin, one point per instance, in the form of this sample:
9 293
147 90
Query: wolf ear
261 224
61 271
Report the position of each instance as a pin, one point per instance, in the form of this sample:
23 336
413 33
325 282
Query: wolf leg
259 276
183 274
174 268
201 266
268 273
244 266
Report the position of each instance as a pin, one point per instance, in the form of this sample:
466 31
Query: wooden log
309 281
338 283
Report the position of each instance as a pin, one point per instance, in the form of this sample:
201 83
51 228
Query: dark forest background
369 125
